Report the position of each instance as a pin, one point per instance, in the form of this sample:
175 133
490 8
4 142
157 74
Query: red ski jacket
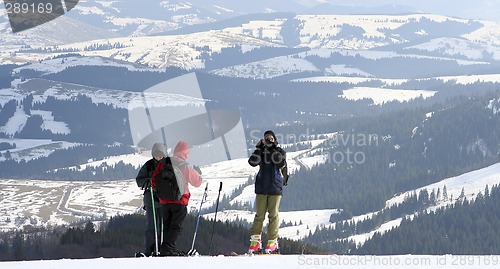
190 176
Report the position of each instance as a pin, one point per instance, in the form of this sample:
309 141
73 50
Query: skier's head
159 150
181 150
270 138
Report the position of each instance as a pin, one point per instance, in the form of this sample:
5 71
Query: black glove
197 169
260 145
147 185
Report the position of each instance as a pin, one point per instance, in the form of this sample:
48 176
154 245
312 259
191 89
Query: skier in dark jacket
143 180
272 175
174 211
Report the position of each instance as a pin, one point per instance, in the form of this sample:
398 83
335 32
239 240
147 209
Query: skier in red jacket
174 211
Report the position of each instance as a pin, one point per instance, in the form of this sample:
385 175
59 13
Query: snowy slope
269 68
380 96
274 261
51 66
472 183
31 149
42 89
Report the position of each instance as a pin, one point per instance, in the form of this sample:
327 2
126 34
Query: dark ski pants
149 244
173 215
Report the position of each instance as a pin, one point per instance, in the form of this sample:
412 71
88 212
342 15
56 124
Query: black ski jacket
273 172
143 180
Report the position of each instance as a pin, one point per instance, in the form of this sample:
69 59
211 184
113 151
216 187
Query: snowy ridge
316 32
268 68
28 149
42 89
151 51
51 66
380 96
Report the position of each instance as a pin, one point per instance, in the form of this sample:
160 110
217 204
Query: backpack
170 181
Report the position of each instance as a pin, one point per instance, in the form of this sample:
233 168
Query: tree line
397 151
122 236
468 227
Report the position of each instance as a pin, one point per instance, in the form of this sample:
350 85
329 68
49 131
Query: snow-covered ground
57 65
492 78
379 96
273 261
269 68
30 149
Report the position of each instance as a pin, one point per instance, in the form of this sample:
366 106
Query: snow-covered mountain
409 35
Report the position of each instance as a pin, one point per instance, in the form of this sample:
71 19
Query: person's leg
149 240
258 222
178 214
166 216
260 214
149 244
273 204
272 229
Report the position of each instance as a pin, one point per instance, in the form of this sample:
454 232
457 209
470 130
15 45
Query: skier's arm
279 158
143 178
284 172
256 158
192 177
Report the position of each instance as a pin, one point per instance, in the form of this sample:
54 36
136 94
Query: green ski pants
266 203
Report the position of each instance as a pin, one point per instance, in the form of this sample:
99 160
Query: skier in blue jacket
269 182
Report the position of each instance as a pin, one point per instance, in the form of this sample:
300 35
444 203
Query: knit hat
269 132
159 150
181 150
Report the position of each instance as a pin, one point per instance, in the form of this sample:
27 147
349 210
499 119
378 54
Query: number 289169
25 8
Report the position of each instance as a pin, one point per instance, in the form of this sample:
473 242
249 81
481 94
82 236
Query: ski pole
215 217
154 220
192 250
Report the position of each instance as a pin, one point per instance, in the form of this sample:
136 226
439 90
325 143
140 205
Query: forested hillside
374 158
468 228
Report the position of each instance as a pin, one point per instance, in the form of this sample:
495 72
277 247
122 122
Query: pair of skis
192 251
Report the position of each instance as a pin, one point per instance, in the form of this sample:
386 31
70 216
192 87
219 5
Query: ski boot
255 244
272 247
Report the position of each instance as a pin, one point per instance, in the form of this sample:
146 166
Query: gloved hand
197 169
147 185
260 144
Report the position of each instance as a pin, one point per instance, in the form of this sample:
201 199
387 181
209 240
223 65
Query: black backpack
170 181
